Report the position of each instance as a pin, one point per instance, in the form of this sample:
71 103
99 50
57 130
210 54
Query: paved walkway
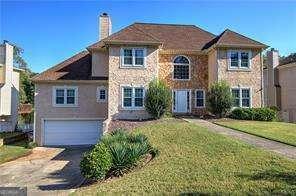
280 148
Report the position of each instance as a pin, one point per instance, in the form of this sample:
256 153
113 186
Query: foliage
31 145
291 58
96 163
126 150
18 60
260 114
196 161
278 131
158 98
219 99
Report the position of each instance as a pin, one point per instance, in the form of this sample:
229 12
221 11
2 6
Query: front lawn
194 160
278 131
13 151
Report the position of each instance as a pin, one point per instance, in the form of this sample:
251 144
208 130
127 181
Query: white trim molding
133 87
239 67
190 100
98 94
204 98
240 88
133 65
65 88
189 69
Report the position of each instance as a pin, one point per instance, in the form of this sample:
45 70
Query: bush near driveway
115 155
259 114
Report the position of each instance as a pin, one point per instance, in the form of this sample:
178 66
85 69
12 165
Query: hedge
259 114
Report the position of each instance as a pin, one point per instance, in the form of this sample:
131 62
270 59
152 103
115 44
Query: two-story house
76 99
9 89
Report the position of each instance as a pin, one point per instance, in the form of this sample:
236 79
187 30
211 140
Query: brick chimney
272 78
105 26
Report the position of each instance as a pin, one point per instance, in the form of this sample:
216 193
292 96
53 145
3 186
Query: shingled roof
77 67
168 36
230 38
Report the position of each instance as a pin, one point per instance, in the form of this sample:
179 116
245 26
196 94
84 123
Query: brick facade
198 75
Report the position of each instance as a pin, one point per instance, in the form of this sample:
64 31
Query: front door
181 101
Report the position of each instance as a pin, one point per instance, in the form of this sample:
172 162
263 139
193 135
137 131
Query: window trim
99 88
133 107
189 64
65 88
133 65
204 98
239 60
240 96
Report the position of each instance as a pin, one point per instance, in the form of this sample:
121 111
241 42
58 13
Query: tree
26 85
219 99
158 98
291 58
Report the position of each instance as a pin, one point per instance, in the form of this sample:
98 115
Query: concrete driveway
46 171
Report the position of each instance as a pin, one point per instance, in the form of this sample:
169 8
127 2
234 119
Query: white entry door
181 101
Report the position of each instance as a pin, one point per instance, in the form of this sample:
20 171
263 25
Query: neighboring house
279 87
76 99
9 89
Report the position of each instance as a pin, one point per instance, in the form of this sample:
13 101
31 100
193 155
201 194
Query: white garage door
71 132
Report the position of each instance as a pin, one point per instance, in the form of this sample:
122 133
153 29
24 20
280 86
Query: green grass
13 151
278 131
194 160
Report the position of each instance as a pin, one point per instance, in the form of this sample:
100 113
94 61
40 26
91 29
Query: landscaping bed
277 131
193 160
12 137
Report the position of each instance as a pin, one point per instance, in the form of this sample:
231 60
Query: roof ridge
146 33
167 24
204 30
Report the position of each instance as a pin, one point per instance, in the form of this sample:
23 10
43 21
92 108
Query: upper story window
181 68
101 94
241 97
133 97
65 96
239 59
133 57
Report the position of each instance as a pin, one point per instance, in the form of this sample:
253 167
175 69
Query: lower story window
241 97
133 97
199 98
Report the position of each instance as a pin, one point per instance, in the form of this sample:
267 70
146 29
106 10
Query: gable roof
77 67
171 36
230 38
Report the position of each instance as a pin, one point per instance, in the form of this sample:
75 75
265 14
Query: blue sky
50 32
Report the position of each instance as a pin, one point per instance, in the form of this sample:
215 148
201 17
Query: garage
71 132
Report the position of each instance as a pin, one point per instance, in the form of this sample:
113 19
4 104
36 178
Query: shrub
95 164
31 145
158 99
260 114
126 150
219 99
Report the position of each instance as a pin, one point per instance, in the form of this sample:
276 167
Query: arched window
181 68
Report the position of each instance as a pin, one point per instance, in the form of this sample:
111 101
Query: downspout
262 81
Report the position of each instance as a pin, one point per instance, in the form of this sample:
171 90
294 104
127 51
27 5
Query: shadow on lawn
273 176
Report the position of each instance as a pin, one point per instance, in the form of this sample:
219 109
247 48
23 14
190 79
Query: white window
241 97
181 68
200 98
133 57
65 96
101 94
239 59
133 97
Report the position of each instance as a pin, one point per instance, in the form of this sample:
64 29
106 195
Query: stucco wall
128 76
100 62
250 78
287 78
212 67
88 107
198 75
